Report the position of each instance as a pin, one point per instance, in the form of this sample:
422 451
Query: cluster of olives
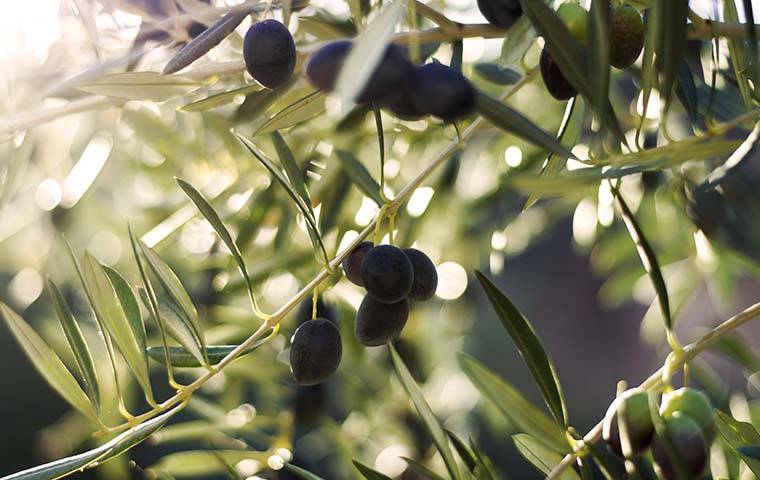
269 53
392 277
397 84
689 429
626 42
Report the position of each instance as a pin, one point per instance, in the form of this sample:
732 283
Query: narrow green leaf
467 456
208 39
369 473
365 55
231 472
485 469
96 456
77 344
750 28
426 414
603 461
569 134
514 122
737 55
177 326
739 434
173 287
648 64
751 451
672 30
139 86
513 404
530 349
129 305
599 49
292 170
212 217
219 99
422 469
182 358
520 38
541 456
648 258
497 74
359 175
380 142
300 472
47 363
297 112
686 91
109 308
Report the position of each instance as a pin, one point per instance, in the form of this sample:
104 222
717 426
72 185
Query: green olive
575 19
633 404
626 35
694 404
682 441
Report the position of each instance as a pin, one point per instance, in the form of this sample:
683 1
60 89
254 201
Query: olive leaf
210 38
497 74
425 471
77 344
738 55
647 256
177 326
219 99
300 472
541 456
737 435
292 170
426 414
369 473
512 404
115 307
530 348
139 86
301 110
750 28
467 456
485 469
599 52
671 26
686 91
47 363
91 458
359 175
520 38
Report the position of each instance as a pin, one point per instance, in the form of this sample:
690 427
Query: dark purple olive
555 82
315 351
387 274
269 53
378 323
352 264
444 92
502 13
425 275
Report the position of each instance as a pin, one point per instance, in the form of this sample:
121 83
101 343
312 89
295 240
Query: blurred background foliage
567 261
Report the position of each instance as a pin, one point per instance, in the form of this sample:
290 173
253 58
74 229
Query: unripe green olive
634 405
693 403
575 19
688 446
626 35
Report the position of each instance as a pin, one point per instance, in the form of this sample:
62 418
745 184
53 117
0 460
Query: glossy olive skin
394 68
378 323
626 36
425 275
444 92
555 82
694 404
404 102
387 274
501 13
688 443
352 264
315 351
324 310
638 420
270 53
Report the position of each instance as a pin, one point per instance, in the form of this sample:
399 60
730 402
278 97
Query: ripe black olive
378 323
387 274
269 53
425 275
502 13
556 83
352 264
315 351
444 92
688 445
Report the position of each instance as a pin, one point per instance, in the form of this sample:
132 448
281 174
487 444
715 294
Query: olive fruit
394 68
688 445
444 92
404 102
634 405
555 82
387 273
352 264
309 404
693 403
502 13
378 323
626 36
315 351
575 19
425 275
269 53
324 310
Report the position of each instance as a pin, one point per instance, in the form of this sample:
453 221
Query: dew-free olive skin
555 82
425 275
626 35
378 323
634 403
352 264
688 443
315 351
394 68
387 274
695 404
501 13
444 92
269 53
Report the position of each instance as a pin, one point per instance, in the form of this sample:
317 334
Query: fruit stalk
655 380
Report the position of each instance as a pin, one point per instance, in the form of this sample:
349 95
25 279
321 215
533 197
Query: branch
655 380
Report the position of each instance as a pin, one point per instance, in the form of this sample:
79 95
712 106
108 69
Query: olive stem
655 380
